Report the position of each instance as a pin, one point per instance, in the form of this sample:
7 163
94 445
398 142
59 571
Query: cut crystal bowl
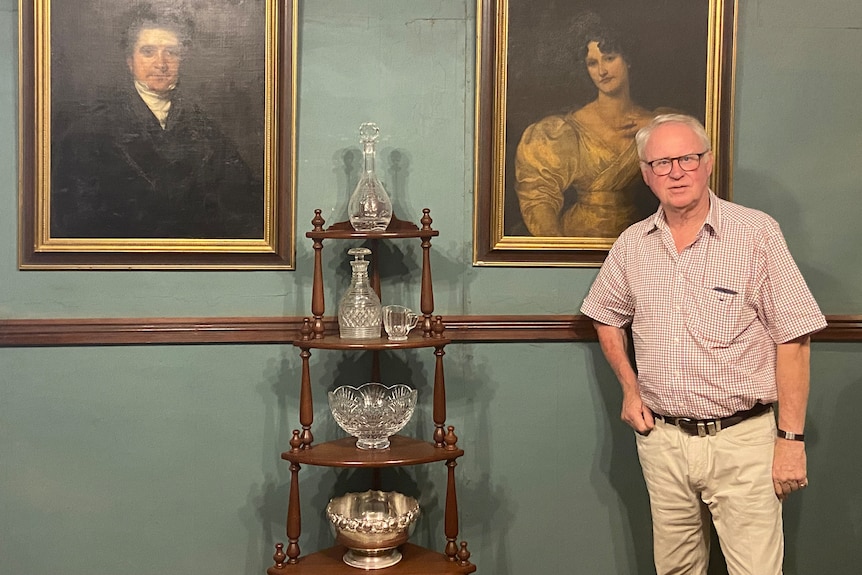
372 412
372 525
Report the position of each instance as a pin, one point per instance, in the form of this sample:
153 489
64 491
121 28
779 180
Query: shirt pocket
716 315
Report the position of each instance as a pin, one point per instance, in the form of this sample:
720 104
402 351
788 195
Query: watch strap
791 436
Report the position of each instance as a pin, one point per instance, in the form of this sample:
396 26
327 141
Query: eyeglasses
688 163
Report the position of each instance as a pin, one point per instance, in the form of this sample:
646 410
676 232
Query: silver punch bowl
372 525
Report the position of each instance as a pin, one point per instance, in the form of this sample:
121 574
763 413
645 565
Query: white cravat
157 103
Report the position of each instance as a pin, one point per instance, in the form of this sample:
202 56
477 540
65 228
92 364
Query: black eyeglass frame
678 159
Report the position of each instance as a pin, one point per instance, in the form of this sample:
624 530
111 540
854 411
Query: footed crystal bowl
372 412
372 525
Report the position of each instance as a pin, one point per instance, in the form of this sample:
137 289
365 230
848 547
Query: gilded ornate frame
270 29
507 78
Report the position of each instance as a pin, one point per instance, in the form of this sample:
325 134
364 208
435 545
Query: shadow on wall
265 512
827 282
487 509
616 465
824 524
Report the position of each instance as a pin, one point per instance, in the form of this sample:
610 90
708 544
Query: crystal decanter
370 208
359 312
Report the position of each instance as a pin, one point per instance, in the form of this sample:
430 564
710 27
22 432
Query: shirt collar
712 222
151 96
713 218
159 104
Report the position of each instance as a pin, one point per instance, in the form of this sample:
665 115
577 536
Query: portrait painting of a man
141 145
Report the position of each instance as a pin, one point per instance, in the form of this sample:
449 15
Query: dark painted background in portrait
224 70
668 52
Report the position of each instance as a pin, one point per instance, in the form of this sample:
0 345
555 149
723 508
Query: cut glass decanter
370 208
360 314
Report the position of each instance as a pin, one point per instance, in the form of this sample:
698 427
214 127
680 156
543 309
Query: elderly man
147 162
720 318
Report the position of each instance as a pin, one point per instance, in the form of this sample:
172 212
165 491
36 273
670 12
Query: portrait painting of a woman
577 172
582 78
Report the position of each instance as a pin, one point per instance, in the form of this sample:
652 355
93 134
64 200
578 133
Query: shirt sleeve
787 306
610 300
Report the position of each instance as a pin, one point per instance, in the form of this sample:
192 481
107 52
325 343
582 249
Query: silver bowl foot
369 561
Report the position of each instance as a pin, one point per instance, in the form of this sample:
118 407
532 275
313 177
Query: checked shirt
705 322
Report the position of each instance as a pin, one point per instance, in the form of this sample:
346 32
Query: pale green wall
164 459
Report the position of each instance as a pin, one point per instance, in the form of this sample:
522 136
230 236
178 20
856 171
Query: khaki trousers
727 476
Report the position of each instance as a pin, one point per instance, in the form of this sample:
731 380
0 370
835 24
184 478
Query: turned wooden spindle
306 332
279 556
306 407
318 305
295 442
451 513
451 439
293 516
317 221
439 397
426 220
464 555
437 328
426 293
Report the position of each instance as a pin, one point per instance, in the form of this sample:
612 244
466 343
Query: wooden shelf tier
397 229
303 439
415 340
415 560
343 234
344 453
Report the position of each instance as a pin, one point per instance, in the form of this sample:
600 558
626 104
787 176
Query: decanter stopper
360 314
370 208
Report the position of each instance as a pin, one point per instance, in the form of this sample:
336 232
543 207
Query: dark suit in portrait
119 175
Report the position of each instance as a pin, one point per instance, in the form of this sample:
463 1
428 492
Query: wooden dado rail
265 330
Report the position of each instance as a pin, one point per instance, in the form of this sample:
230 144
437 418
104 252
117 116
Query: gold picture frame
103 186
679 57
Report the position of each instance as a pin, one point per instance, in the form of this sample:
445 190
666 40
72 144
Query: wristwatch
791 436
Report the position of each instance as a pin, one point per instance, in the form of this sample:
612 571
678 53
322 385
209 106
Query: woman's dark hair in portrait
588 27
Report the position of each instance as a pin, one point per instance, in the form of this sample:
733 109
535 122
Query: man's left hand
789 467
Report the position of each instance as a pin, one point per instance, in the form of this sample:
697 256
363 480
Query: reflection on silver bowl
372 412
372 525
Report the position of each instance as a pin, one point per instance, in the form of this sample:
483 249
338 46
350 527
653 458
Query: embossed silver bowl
372 412
372 525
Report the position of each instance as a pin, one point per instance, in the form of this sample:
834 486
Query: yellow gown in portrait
559 157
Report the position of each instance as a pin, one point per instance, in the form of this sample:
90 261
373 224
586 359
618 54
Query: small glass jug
398 321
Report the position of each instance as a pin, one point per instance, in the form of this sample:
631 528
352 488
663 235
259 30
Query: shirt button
676 340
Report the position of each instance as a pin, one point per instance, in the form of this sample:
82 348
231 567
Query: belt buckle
710 427
703 427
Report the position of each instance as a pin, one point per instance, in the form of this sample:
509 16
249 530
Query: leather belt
704 427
